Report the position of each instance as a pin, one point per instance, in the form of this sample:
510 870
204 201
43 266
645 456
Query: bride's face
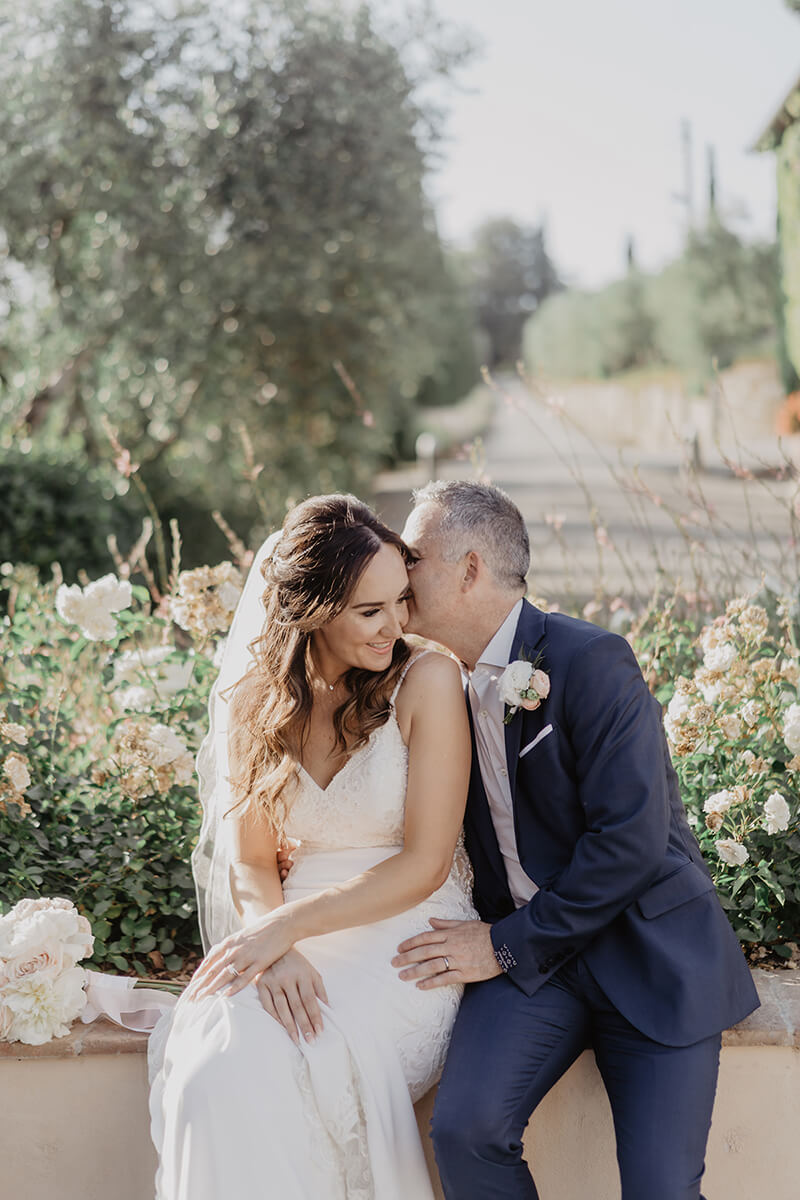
364 634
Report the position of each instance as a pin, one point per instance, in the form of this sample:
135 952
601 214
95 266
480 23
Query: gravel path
608 521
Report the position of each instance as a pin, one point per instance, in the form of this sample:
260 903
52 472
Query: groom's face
436 584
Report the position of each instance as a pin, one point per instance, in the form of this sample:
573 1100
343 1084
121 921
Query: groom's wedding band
233 970
446 962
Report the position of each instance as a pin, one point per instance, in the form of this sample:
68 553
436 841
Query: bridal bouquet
41 985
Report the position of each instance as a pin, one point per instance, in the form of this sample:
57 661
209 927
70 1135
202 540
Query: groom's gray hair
477 516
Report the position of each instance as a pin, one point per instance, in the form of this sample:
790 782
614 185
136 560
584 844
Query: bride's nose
392 626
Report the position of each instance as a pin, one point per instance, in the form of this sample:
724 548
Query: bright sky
573 116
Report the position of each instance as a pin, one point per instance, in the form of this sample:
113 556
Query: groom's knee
465 1125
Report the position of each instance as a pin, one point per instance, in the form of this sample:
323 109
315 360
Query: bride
290 1065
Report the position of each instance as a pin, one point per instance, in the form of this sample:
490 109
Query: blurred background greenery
222 286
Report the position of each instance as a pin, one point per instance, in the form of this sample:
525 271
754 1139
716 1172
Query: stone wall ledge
775 1023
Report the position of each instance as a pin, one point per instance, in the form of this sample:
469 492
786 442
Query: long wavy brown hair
326 544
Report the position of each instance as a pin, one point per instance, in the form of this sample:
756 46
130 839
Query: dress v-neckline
352 756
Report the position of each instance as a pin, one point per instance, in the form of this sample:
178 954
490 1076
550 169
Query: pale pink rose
540 682
530 705
48 960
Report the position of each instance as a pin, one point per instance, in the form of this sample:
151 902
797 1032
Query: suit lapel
530 632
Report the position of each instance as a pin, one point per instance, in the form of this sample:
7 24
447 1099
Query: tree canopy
215 224
511 274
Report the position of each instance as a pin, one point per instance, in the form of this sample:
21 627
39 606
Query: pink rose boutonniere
522 685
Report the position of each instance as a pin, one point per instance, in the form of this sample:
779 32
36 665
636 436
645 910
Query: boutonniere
523 685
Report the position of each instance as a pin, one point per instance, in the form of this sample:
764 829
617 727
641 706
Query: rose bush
98 736
731 690
102 712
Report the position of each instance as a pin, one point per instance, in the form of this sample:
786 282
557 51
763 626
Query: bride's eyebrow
380 603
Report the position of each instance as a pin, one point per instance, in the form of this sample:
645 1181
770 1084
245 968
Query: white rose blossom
91 608
720 658
731 852
791 728
730 725
719 802
675 715
44 1008
16 770
750 711
142 677
777 813
14 732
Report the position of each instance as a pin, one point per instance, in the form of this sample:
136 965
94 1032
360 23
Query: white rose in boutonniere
522 685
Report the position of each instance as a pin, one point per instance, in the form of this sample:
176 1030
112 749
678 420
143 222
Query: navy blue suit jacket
601 829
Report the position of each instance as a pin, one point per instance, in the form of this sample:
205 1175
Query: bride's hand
290 991
238 959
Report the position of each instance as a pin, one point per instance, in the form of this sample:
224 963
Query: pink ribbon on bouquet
113 996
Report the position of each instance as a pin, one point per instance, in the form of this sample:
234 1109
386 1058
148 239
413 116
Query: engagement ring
233 970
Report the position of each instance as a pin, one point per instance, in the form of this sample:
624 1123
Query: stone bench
75 1122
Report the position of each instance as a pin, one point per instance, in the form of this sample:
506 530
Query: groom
599 922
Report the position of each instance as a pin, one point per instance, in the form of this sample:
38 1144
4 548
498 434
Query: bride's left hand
240 958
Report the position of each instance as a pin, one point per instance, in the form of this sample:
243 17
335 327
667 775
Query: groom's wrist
502 952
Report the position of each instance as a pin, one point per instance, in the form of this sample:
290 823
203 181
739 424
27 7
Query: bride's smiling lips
381 647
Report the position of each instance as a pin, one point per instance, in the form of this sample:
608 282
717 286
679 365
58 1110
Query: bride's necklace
331 687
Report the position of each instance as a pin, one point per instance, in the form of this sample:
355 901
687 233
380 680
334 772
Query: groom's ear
472 569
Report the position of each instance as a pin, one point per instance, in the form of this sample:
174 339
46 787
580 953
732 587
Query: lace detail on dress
342 1150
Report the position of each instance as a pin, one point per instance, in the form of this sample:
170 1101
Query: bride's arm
432 713
255 881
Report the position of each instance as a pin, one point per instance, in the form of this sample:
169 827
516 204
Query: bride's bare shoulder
432 671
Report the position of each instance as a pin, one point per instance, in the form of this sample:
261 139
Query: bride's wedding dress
238 1111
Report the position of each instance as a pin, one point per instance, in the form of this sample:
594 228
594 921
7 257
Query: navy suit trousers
508 1050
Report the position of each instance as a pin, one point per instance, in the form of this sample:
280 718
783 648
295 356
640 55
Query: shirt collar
498 650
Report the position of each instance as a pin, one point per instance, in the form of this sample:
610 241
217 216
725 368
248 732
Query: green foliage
54 509
593 335
222 224
103 821
125 865
97 738
732 687
717 302
510 274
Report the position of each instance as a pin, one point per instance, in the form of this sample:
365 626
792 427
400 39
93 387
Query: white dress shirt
488 711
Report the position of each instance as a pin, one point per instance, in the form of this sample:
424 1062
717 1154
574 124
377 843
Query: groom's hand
452 952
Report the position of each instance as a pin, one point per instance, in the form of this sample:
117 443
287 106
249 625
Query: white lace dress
238 1112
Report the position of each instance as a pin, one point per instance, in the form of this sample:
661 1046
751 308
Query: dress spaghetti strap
414 658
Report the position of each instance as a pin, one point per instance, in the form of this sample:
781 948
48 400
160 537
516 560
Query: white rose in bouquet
41 987
43 1008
